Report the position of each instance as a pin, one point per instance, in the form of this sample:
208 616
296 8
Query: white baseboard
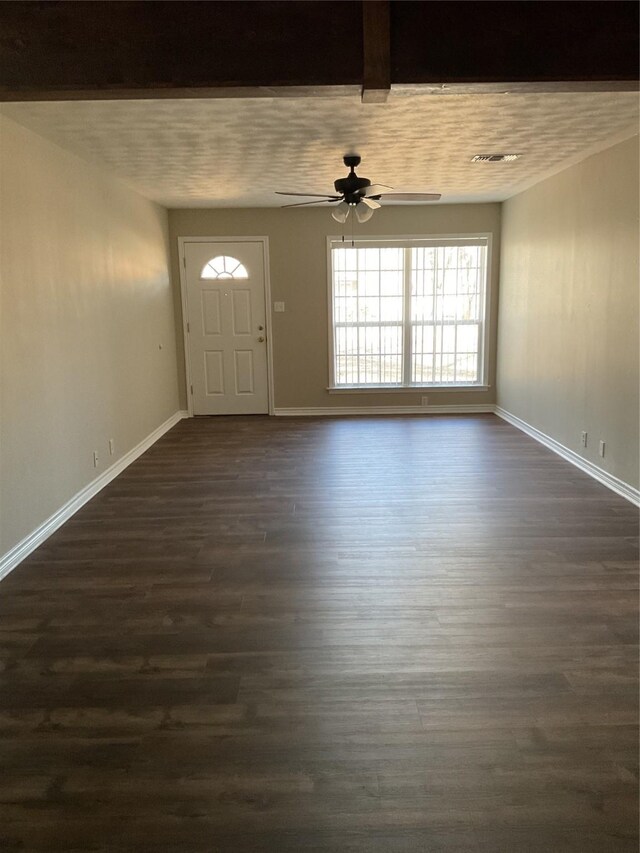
619 486
17 554
333 411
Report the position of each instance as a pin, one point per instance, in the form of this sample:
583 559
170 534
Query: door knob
260 339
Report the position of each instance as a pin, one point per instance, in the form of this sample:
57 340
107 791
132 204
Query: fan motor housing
352 185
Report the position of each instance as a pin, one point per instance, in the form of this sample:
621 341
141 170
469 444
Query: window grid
410 315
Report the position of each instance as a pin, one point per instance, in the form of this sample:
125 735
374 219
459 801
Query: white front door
226 327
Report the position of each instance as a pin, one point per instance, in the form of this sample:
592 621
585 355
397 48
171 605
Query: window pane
342 283
369 310
450 281
448 339
350 258
467 338
468 280
369 283
446 306
451 257
369 259
467 307
466 368
445 287
391 309
447 368
391 282
391 259
366 298
422 308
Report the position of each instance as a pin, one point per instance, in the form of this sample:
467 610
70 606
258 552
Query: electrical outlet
95 458
584 439
278 307
601 448
424 401
112 446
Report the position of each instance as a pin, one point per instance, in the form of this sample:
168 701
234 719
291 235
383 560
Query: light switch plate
278 307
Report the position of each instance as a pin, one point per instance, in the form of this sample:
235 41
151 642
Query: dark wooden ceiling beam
524 41
127 49
376 37
137 49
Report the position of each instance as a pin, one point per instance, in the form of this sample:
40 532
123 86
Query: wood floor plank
390 634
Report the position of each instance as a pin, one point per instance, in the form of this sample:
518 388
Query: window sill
402 389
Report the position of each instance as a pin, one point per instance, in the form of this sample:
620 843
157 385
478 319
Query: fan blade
374 205
376 189
412 196
310 195
341 212
364 214
302 203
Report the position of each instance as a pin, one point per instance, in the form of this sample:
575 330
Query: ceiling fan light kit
357 194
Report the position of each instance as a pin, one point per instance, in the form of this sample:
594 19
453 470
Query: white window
407 313
224 266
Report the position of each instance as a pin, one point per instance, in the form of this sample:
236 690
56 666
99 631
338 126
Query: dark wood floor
379 635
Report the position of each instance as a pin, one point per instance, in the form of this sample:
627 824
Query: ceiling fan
358 195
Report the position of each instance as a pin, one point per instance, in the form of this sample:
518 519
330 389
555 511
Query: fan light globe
341 212
363 214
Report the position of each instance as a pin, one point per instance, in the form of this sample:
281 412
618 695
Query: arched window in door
224 266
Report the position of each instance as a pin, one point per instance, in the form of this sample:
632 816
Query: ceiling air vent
494 158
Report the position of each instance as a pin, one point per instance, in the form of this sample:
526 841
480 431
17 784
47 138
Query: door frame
185 312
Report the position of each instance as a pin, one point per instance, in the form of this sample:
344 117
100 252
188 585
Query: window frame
413 241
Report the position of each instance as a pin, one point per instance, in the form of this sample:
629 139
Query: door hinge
188 327
191 386
184 261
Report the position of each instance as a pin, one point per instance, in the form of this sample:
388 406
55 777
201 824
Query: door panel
226 320
213 372
241 311
244 371
211 312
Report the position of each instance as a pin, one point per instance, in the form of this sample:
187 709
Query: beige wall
298 250
568 327
87 344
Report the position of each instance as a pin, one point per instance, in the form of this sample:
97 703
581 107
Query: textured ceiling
236 152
